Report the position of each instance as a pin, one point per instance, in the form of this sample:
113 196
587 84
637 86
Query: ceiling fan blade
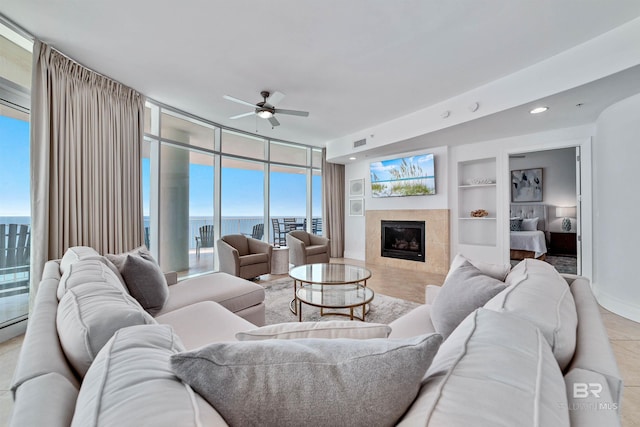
293 112
274 121
275 98
242 115
239 101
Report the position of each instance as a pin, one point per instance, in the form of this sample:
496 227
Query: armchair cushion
302 236
316 249
239 242
251 259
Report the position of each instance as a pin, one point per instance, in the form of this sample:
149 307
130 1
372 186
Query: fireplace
403 239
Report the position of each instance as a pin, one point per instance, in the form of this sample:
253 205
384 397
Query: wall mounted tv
407 176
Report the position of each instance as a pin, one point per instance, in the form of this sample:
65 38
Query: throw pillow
465 290
497 271
330 329
529 224
309 381
515 224
143 277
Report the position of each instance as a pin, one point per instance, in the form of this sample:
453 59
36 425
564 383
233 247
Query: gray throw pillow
143 277
309 381
464 290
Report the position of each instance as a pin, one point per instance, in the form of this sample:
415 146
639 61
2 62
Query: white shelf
478 218
466 186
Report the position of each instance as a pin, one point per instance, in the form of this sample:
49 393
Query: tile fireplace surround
436 239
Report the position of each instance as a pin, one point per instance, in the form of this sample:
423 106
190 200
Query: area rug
383 309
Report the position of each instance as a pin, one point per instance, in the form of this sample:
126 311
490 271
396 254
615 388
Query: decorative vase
566 224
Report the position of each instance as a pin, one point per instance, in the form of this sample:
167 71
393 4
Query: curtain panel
86 136
333 195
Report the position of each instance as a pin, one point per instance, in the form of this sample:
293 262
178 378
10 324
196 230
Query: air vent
359 143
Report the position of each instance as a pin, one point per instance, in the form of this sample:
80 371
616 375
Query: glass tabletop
329 274
335 296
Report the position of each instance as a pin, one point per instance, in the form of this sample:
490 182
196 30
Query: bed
531 242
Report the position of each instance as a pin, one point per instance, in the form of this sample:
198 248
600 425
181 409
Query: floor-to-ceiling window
15 221
214 181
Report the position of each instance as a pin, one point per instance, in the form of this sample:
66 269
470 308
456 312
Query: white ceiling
351 64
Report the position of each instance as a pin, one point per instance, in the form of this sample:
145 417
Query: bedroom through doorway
544 219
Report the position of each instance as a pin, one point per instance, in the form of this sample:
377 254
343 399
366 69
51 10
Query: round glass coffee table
330 286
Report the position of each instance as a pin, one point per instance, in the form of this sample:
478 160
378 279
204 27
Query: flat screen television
406 176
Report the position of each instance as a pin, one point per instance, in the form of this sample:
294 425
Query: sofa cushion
88 315
131 383
233 293
143 277
195 324
494 370
497 271
416 322
251 259
331 329
464 290
309 381
538 293
90 269
76 253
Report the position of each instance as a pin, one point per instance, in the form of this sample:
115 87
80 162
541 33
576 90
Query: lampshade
566 212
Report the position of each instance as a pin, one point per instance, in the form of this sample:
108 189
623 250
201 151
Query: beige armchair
244 256
305 248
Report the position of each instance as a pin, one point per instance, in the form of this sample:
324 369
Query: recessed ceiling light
539 110
352 158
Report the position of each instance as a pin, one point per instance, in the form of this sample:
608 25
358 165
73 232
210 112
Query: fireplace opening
403 239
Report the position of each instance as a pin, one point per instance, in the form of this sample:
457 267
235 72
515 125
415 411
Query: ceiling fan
266 108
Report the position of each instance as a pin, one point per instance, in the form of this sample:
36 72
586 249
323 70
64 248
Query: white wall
355 225
558 177
616 207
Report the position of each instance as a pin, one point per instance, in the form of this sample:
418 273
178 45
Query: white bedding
533 241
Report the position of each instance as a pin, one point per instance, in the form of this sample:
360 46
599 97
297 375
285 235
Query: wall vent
359 143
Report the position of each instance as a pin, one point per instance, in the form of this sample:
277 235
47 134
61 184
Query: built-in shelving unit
472 196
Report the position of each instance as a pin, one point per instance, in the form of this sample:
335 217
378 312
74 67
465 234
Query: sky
381 169
242 190
14 167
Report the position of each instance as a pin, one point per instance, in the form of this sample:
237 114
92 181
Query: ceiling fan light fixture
265 114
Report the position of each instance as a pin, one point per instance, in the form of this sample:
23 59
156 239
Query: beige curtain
333 204
86 135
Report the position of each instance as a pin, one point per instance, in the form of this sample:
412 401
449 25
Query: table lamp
566 213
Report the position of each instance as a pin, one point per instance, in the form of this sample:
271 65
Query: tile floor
406 284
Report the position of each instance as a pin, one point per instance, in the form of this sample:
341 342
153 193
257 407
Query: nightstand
563 243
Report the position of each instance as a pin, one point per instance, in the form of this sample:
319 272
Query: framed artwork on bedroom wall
526 185
356 188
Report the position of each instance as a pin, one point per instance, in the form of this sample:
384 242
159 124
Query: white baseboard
12 331
616 305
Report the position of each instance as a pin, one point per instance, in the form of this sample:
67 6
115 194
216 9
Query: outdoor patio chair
205 240
290 224
15 252
278 233
257 232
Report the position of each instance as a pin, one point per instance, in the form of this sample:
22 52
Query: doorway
545 207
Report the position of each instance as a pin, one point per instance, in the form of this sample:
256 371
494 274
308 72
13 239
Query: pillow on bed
529 224
515 224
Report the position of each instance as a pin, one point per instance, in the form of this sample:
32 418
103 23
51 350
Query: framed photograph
356 187
356 207
526 185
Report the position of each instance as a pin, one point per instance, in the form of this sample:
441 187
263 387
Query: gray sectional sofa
535 354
